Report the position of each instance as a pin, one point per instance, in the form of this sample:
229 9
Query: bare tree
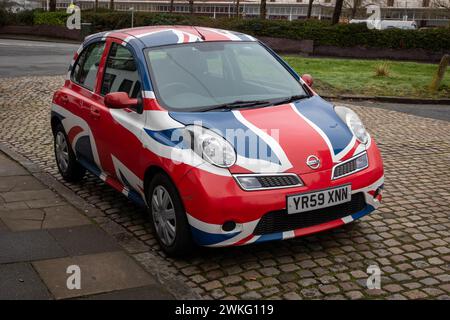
263 9
191 6
171 6
96 5
355 7
337 11
310 5
237 8
52 5
111 4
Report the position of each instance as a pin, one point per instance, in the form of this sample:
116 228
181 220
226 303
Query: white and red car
214 133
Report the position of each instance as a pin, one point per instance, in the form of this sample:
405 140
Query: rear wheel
169 217
69 168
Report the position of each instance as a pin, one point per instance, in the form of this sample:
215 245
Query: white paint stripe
288 234
148 94
319 131
271 142
347 219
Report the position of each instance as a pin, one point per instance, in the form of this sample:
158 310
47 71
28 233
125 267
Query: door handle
64 99
95 113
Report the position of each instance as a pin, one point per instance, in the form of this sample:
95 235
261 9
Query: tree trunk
191 6
111 4
237 8
96 5
171 6
356 5
52 5
440 73
337 11
263 9
310 5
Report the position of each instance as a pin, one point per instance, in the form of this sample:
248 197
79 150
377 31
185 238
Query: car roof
153 36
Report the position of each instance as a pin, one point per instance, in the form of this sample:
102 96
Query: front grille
345 168
278 181
351 166
280 221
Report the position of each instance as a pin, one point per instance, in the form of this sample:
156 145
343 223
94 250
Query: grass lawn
357 77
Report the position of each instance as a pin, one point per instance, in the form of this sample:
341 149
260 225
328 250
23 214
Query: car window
121 74
85 70
200 75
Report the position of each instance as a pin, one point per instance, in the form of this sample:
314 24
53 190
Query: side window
121 74
85 70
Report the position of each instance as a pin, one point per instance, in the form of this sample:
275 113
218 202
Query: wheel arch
54 122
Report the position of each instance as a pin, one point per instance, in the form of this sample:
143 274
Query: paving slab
63 216
28 246
10 168
28 195
20 220
45 203
3 227
103 272
45 218
20 281
150 292
83 240
20 183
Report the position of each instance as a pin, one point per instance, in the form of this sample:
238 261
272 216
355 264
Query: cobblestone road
408 237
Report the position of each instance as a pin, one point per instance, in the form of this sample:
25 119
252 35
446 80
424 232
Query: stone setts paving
408 237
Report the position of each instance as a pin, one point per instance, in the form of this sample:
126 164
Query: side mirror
121 100
308 79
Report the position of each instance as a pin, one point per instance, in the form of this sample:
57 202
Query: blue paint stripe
167 137
136 198
270 237
322 114
220 122
368 209
203 238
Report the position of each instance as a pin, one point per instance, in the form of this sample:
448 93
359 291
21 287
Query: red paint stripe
295 136
318 228
244 240
351 153
73 133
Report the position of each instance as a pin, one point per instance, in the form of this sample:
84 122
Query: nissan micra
215 134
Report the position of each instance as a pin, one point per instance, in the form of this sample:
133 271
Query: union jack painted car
215 134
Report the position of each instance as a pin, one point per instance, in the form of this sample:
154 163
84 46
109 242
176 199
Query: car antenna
201 35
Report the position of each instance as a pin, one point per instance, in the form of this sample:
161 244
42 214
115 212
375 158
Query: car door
124 126
80 98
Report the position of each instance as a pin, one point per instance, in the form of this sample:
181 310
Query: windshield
199 76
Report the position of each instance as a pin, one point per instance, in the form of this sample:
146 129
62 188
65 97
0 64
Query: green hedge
342 35
57 18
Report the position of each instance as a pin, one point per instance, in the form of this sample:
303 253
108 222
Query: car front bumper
211 200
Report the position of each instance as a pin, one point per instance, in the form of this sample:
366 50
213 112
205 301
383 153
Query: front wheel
69 168
169 217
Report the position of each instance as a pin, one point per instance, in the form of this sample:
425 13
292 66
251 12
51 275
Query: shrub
57 18
382 69
322 32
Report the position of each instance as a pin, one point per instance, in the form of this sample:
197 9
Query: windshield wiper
291 99
238 104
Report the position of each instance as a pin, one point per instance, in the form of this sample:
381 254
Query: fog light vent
267 181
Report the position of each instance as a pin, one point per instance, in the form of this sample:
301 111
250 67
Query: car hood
279 138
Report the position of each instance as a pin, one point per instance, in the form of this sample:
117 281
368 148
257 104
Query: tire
170 215
69 168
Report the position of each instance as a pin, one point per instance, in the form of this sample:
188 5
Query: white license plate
319 199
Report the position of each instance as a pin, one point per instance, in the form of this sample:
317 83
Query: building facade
421 11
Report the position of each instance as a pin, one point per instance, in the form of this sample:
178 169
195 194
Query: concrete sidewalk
42 234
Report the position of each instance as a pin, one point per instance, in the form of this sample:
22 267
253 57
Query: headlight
353 122
212 147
